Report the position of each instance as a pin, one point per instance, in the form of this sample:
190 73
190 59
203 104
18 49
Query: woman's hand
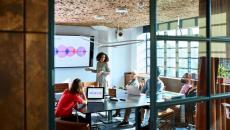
87 69
100 73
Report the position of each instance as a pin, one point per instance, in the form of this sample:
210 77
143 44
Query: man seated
134 83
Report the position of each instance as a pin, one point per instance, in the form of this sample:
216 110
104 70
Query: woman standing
102 69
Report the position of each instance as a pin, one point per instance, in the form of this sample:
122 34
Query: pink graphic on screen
63 51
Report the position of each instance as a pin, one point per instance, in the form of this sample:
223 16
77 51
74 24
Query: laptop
95 94
133 90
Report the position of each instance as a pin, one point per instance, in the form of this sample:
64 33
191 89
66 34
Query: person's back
146 88
67 102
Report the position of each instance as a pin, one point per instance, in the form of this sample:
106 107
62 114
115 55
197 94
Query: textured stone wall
24 65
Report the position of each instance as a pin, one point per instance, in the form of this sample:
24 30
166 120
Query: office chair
60 87
67 125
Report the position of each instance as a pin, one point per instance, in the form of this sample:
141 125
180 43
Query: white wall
122 59
68 74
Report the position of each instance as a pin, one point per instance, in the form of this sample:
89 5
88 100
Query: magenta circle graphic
81 51
63 51
71 51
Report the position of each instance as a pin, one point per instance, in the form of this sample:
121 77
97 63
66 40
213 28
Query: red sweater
66 103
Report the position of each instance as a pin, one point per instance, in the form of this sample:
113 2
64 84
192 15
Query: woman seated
69 100
187 82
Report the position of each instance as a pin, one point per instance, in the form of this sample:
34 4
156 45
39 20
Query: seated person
134 83
146 90
187 82
70 99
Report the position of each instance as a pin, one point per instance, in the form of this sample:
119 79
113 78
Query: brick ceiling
83 12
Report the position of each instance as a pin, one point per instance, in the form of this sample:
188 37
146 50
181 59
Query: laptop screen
95 93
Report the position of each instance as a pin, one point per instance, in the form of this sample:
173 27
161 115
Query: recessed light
99 17
121 10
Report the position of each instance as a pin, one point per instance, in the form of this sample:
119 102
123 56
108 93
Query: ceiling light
121 10
99 17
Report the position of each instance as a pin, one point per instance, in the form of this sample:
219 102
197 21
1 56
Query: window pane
183 63
194 52
161 32
182 32
148 52
194 73
183 52
171 32
171 52
160 52
160 44
160 62
171 72
161 71
195 31
182 72
194 44
148 61
148 44
171 44
194 63
171 63
182 44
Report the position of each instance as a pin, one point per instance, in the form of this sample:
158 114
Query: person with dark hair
102 69
186 80
69 100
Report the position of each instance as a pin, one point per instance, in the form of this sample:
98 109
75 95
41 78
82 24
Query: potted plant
222 74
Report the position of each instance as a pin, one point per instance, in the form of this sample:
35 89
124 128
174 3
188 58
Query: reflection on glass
186 17
220 19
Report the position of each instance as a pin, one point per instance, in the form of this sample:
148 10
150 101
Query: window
174 58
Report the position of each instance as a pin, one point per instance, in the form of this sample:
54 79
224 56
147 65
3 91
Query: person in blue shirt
146 90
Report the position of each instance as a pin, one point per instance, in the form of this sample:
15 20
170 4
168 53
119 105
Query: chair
227 110
166 119
60 87
67 125
93 84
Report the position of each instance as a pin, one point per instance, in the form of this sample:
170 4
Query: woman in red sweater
69 100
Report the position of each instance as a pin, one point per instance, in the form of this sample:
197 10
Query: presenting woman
102 69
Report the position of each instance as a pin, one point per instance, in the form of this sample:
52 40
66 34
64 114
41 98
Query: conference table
128 101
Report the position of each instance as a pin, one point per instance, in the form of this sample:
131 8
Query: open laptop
95 94
133 90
